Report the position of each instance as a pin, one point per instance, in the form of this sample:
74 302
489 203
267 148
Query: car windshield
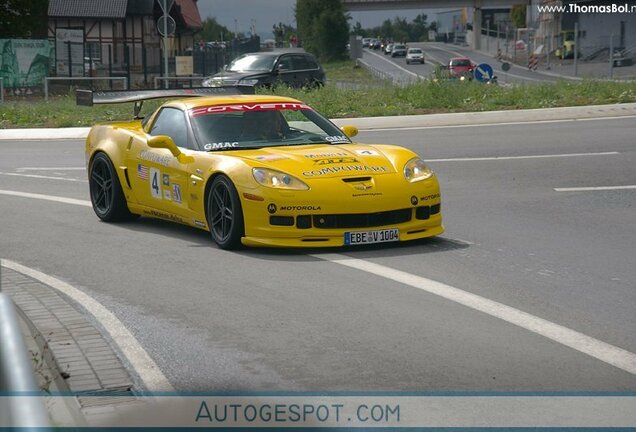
399 47
257 125
252 63
415 51
461 62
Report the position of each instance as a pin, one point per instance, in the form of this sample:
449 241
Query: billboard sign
24 62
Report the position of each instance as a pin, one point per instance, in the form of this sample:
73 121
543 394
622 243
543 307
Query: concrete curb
396 122
491 117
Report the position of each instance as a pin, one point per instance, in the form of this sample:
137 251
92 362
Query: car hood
324 161
235 76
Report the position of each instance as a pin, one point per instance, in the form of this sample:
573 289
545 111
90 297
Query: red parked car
461 67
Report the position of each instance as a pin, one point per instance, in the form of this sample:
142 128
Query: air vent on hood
355 179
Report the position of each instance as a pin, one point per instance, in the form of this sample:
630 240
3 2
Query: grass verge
366 101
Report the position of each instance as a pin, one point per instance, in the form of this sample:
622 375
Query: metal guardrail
47 79
157 79
16 375
385 76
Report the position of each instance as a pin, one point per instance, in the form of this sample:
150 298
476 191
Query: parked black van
296 69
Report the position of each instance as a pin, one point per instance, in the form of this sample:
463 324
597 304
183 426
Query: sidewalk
69 353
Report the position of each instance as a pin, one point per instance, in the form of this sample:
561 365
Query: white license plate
370 237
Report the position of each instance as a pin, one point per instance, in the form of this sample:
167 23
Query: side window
171 122
311 63
285 63
301 62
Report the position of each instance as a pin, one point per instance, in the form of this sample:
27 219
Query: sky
266 13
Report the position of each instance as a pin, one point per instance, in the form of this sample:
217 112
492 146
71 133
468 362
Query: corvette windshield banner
216 109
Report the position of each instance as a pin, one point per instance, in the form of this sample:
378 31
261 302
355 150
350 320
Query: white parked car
414 55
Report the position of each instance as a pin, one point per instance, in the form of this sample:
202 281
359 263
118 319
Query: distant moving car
376 44
461 67
414 55
295 69
256 170
398 50
366 42
388 49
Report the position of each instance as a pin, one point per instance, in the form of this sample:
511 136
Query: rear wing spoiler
92 97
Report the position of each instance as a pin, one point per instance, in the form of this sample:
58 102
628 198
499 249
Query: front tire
107 196
224 213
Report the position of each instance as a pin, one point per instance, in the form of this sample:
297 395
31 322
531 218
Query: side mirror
349 130
164 141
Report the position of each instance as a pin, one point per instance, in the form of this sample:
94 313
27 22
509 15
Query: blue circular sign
483 72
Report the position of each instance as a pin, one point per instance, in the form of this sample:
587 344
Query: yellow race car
255 170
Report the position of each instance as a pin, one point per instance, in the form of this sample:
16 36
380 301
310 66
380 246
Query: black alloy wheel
107 196
225 215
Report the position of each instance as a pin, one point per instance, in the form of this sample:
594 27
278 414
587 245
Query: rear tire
107 196
224 213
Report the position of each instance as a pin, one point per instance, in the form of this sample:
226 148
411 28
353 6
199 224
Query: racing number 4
155 190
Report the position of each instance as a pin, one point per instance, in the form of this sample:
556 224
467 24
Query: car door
286 72
158 178
304 70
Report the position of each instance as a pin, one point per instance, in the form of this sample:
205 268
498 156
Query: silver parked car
398 50
414 55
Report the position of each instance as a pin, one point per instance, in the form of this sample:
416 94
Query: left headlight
416 170
248 82
277 180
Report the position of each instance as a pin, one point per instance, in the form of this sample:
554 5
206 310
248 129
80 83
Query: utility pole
165 42
576 48
611 56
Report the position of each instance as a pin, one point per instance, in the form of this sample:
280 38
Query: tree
357 29
518 15
213 31
282 33
23 18
323 28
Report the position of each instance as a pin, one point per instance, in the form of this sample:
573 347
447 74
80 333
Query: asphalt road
437 53
292 320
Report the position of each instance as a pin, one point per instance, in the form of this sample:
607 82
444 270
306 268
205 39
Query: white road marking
595 348
496 158
144 365
47 198
395 64
43 177
51 169
597 188
515 123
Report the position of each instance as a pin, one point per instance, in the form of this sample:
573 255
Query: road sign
483 72
505 66
172 26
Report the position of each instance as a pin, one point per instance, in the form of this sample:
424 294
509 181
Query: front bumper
321 218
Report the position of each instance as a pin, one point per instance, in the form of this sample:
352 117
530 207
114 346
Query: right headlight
277 180
416 170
